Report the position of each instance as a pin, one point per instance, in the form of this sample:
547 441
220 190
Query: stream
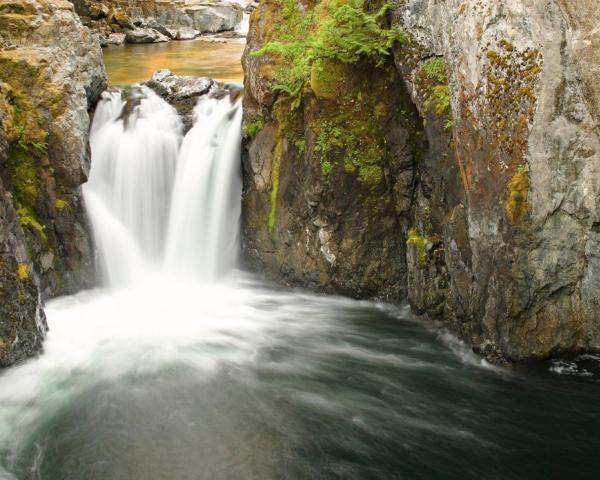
182 366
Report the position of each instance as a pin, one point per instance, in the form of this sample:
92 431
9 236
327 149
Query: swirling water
164 374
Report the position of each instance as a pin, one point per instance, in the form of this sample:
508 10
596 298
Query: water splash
156 200
202 236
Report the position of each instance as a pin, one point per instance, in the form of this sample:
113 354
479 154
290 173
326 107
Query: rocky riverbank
153 21
456 166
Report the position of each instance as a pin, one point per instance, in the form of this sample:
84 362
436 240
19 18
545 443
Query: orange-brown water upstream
129 64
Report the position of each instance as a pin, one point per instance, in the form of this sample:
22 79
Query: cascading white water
202 239
157 202
244 25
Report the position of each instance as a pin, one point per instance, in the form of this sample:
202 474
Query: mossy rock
327 79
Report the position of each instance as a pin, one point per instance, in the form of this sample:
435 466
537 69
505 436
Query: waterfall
244 25
158 201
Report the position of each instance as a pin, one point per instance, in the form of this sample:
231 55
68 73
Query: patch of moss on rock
518 191
337 31
420 243
275 173
432 83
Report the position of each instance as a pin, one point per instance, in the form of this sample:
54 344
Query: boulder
186 33
144 35
98 11
120 18
212 18
159 27
181 91
115 39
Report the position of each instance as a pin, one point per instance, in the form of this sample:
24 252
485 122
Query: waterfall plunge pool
186 368
239 379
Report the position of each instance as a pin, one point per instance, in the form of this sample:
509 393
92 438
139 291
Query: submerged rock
185 33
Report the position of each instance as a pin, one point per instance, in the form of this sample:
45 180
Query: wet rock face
520 252
327 180
22 325
496 210
51 74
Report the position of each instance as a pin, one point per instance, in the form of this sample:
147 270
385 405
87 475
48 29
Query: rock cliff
464 179
51 74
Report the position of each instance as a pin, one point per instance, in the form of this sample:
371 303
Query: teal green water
297 387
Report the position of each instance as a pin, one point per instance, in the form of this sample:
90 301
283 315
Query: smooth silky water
182 367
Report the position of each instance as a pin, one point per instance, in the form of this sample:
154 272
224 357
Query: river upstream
184 367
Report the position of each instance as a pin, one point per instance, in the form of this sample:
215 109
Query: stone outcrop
328 179
487 216
213 17
521 255
51 74
181 91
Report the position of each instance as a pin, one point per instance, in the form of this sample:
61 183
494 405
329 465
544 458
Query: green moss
329 136
435 70
332 65
60 204
254 127
23 271
23 172
334 31
518 193
370 174
28 220
420 242
326 77
432 81
275 173
348 132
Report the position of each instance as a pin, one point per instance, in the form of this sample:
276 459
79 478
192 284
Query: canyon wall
51 74
464 179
